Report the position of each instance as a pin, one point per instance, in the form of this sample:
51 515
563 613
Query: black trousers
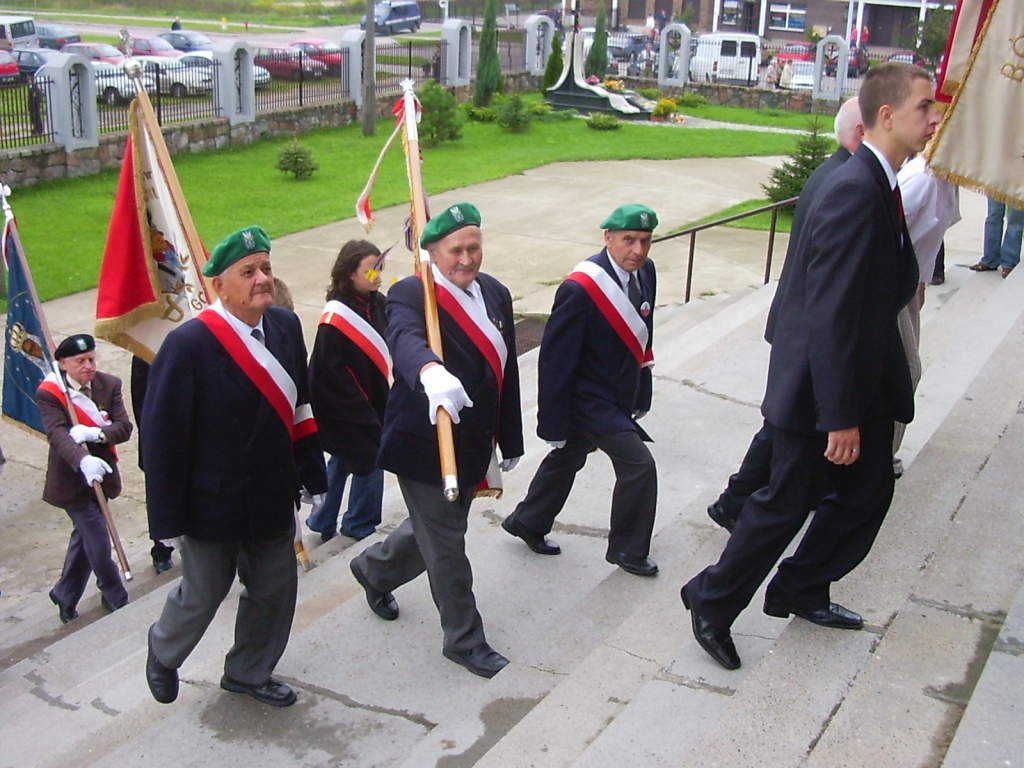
753 473
634 498
89 552
855 501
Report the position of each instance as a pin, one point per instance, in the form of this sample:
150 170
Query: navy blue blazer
409 443
587 378
837 359
220 463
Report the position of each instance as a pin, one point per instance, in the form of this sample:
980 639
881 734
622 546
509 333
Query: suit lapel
875 166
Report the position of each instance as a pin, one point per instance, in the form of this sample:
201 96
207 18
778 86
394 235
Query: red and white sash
472 318
87 412
263 369
612 302
360 333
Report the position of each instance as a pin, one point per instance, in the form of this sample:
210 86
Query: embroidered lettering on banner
1015 71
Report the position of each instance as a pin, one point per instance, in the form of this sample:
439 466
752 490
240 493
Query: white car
204 59
113 86
803 75
175 78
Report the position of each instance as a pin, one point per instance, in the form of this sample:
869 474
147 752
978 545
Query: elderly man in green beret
228 442
477 383
594 383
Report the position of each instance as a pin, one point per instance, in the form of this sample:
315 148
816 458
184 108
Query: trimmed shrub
603 122
691 100
513 116
296 160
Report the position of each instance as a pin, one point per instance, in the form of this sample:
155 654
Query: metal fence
418 61
179 93
514 14
511 55
25 117
299 80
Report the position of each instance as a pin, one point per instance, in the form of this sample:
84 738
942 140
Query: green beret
74 345
450 219
634 217
236 246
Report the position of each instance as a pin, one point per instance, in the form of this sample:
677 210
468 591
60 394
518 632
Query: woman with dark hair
349 373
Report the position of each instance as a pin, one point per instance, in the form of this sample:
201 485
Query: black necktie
899 204
258 335
633 291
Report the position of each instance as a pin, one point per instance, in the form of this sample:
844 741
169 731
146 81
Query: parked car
154 46
552 13
803 75
326 52
203 60
114 87
108 54
795 52
856 66
9 71
911 57
629 47
55 36
187 40
288 63
394 16
176 79
29 60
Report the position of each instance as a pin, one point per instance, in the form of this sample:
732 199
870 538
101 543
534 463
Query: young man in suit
837 380
594 382
81 454
477 383
228 440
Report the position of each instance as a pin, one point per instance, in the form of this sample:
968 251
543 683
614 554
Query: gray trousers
89 552
431 539
909 321
634 498
265 607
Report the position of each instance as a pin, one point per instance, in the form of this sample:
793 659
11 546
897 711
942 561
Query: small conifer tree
441 119
556 64
810 151
597 58
488 67
296 159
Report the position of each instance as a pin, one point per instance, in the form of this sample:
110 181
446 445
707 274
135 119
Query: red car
284 63
795 52
154 46
96 52
9 71
326 52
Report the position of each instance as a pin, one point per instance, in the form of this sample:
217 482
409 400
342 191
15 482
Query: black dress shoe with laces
381 603
111 607
721 517
272 692
482 660
162 680
162 566
638 566
67 612
534 540
716 641
834 616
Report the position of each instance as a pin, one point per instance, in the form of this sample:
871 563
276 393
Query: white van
18 32
726 58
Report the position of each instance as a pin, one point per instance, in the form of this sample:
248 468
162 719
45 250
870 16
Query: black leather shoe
163 681
834 616
381 603
721 517
534 541
67 612
717 642
272 692
639 566
482 660
111 607
162 566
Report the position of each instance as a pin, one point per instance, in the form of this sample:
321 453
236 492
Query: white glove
444 391
555 444
507 465
314 499
80 433
93 468
637 415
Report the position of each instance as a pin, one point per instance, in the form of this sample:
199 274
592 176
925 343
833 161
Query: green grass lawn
759 222
65 258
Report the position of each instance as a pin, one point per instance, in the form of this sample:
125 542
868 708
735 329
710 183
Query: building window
787 16
731 12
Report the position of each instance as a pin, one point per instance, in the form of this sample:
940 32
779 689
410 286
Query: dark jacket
587 379
65 486
220 463
348 392
837 359
409 443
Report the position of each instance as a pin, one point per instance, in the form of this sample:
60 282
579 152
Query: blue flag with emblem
27 356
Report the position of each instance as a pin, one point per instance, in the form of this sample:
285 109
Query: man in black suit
837 379
753 472
228 442
477 383
594 382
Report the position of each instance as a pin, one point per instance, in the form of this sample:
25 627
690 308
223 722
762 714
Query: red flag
149 279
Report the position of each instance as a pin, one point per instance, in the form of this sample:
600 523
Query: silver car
113 86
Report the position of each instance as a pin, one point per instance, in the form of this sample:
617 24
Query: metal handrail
692 232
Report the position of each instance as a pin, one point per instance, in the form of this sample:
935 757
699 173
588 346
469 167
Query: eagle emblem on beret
248 239
456 213
645 219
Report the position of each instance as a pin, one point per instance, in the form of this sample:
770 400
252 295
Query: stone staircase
604 670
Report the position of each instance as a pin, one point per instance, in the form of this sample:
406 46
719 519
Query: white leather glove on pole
80 433
93 469
507 465
444 391
555 444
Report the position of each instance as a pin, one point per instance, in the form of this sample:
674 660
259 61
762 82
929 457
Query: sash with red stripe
357 330
85 409
263 370
612 302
